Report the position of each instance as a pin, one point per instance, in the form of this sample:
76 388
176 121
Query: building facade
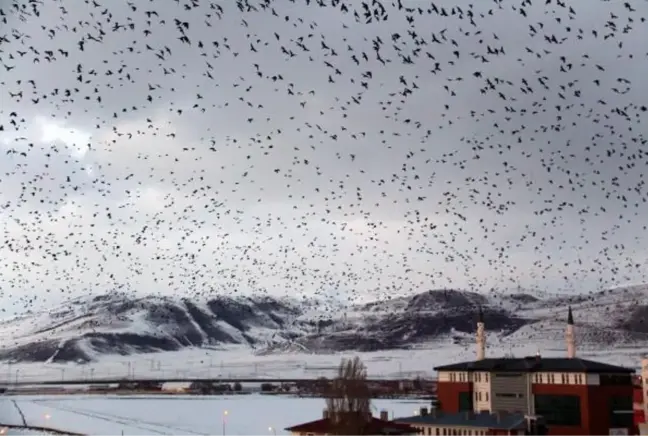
638 401
572 395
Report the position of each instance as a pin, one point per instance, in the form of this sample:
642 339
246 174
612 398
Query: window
486 375
620 404
486 395
551 379
438 431
559 409
465 401
615 379
507 395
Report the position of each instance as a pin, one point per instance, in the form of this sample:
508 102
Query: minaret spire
481 335
569 335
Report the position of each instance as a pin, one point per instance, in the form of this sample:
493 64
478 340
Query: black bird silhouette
245 152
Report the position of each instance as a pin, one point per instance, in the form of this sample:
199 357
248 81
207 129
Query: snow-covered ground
4 431
206 363
141 415
10 414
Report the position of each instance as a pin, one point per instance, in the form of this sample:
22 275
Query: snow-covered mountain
85 328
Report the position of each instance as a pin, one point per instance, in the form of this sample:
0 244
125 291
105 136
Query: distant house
374 426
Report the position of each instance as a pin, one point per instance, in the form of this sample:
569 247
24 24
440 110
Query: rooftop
373 426
536 364
486 420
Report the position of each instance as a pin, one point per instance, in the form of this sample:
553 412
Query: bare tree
349 399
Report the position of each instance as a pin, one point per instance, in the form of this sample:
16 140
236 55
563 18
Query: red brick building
573 396
638 402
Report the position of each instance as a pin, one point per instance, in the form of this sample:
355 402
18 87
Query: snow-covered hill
85 328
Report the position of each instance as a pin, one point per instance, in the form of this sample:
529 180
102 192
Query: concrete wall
510 392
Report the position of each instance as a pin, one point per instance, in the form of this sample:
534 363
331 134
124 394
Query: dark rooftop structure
536 364
485 420
373 426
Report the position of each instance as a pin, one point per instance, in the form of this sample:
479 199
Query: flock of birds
321 147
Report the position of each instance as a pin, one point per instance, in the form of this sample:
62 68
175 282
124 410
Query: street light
272 430
225 413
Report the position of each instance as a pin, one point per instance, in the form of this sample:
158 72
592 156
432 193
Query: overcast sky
264 153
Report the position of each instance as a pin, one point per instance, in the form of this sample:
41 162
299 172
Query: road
86 381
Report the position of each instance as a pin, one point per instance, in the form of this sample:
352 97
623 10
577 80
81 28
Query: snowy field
22 432
186 415
213 363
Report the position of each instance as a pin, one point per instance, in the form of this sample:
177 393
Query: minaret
569 335
481 336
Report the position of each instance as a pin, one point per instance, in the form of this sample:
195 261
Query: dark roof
570 317
536 364
505 421
374 426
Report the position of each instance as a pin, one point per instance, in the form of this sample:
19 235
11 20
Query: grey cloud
530 227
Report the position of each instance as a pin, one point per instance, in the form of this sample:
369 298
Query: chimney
384 415
569 335
424 411
325 414
481 336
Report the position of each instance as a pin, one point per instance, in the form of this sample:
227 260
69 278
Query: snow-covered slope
84 328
